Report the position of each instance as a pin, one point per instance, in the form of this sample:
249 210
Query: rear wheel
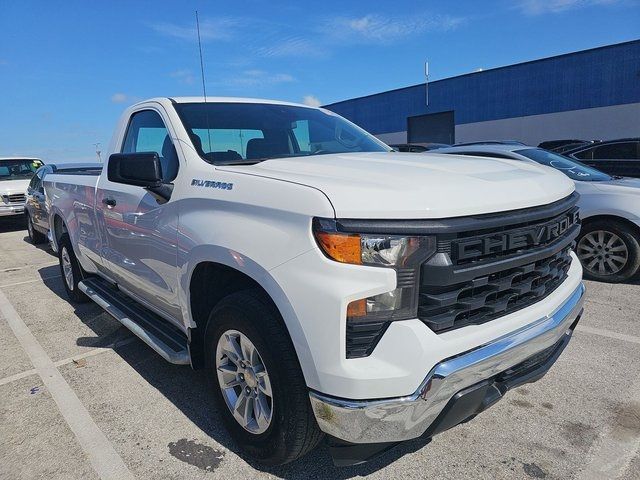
34 236
609 251
257 381
72 272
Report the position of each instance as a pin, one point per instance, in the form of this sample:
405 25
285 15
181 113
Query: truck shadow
189 391
45 246
13 224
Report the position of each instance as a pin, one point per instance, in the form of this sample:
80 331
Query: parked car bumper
457 388
10 210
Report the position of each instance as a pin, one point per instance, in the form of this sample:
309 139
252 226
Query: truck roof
222 100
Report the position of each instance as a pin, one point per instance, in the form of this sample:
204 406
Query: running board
159 334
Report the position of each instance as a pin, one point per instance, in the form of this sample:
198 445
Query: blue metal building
588 94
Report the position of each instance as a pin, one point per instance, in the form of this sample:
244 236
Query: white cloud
256 78
291 46
184 75
375 28
538 7
221 28
311 100
119 98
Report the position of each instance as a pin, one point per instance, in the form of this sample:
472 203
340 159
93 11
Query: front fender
250 268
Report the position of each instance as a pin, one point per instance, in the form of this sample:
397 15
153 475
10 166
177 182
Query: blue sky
67 69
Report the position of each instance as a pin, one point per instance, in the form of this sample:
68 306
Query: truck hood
11 187
391 185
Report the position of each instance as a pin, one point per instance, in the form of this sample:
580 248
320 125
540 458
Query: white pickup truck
333 288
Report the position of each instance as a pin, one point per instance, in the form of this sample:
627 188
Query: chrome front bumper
9 210
404 418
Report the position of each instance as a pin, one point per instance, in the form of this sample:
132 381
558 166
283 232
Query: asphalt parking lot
74 382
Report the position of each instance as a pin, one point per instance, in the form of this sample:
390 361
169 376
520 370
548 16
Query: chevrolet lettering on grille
496 243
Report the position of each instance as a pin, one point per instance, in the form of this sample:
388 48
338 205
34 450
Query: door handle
109 202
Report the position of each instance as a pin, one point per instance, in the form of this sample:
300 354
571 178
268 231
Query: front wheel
257 381
609 251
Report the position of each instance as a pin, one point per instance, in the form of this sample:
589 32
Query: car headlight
404 254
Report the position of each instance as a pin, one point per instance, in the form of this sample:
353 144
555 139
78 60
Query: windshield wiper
241 162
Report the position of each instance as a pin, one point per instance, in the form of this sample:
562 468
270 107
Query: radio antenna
204 88
426 83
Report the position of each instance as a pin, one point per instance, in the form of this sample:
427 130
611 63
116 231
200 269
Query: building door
431 128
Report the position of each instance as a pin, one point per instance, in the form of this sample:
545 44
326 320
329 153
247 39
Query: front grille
490 296
507 262
15 198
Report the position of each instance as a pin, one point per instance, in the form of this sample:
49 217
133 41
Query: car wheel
35 236
72 272
609 251
257 380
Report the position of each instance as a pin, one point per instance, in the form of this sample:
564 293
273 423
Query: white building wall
391 138
602 123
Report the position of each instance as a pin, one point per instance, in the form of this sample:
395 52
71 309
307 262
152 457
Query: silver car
36 205
609 241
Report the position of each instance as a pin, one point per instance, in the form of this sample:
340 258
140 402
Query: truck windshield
573 169
16 168
237 133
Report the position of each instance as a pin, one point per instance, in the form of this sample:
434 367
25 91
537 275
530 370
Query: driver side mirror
139 169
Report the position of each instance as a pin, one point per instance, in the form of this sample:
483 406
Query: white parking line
30 281
35 265
608 333
103 457
65 361
17 376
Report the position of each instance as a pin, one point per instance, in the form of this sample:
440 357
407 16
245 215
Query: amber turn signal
357 308
341 247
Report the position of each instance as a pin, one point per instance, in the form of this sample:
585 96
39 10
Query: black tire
293 431
77 273
35 236
591 254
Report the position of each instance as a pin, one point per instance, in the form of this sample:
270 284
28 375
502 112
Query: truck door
139 249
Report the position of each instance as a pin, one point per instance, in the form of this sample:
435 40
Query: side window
147 133
584 154
616 151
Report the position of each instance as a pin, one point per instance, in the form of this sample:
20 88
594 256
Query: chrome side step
164 338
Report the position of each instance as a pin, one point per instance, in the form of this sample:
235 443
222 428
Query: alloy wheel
67 268
244 381
602 252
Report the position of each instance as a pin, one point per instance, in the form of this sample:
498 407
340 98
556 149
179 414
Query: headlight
404 254
374 250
